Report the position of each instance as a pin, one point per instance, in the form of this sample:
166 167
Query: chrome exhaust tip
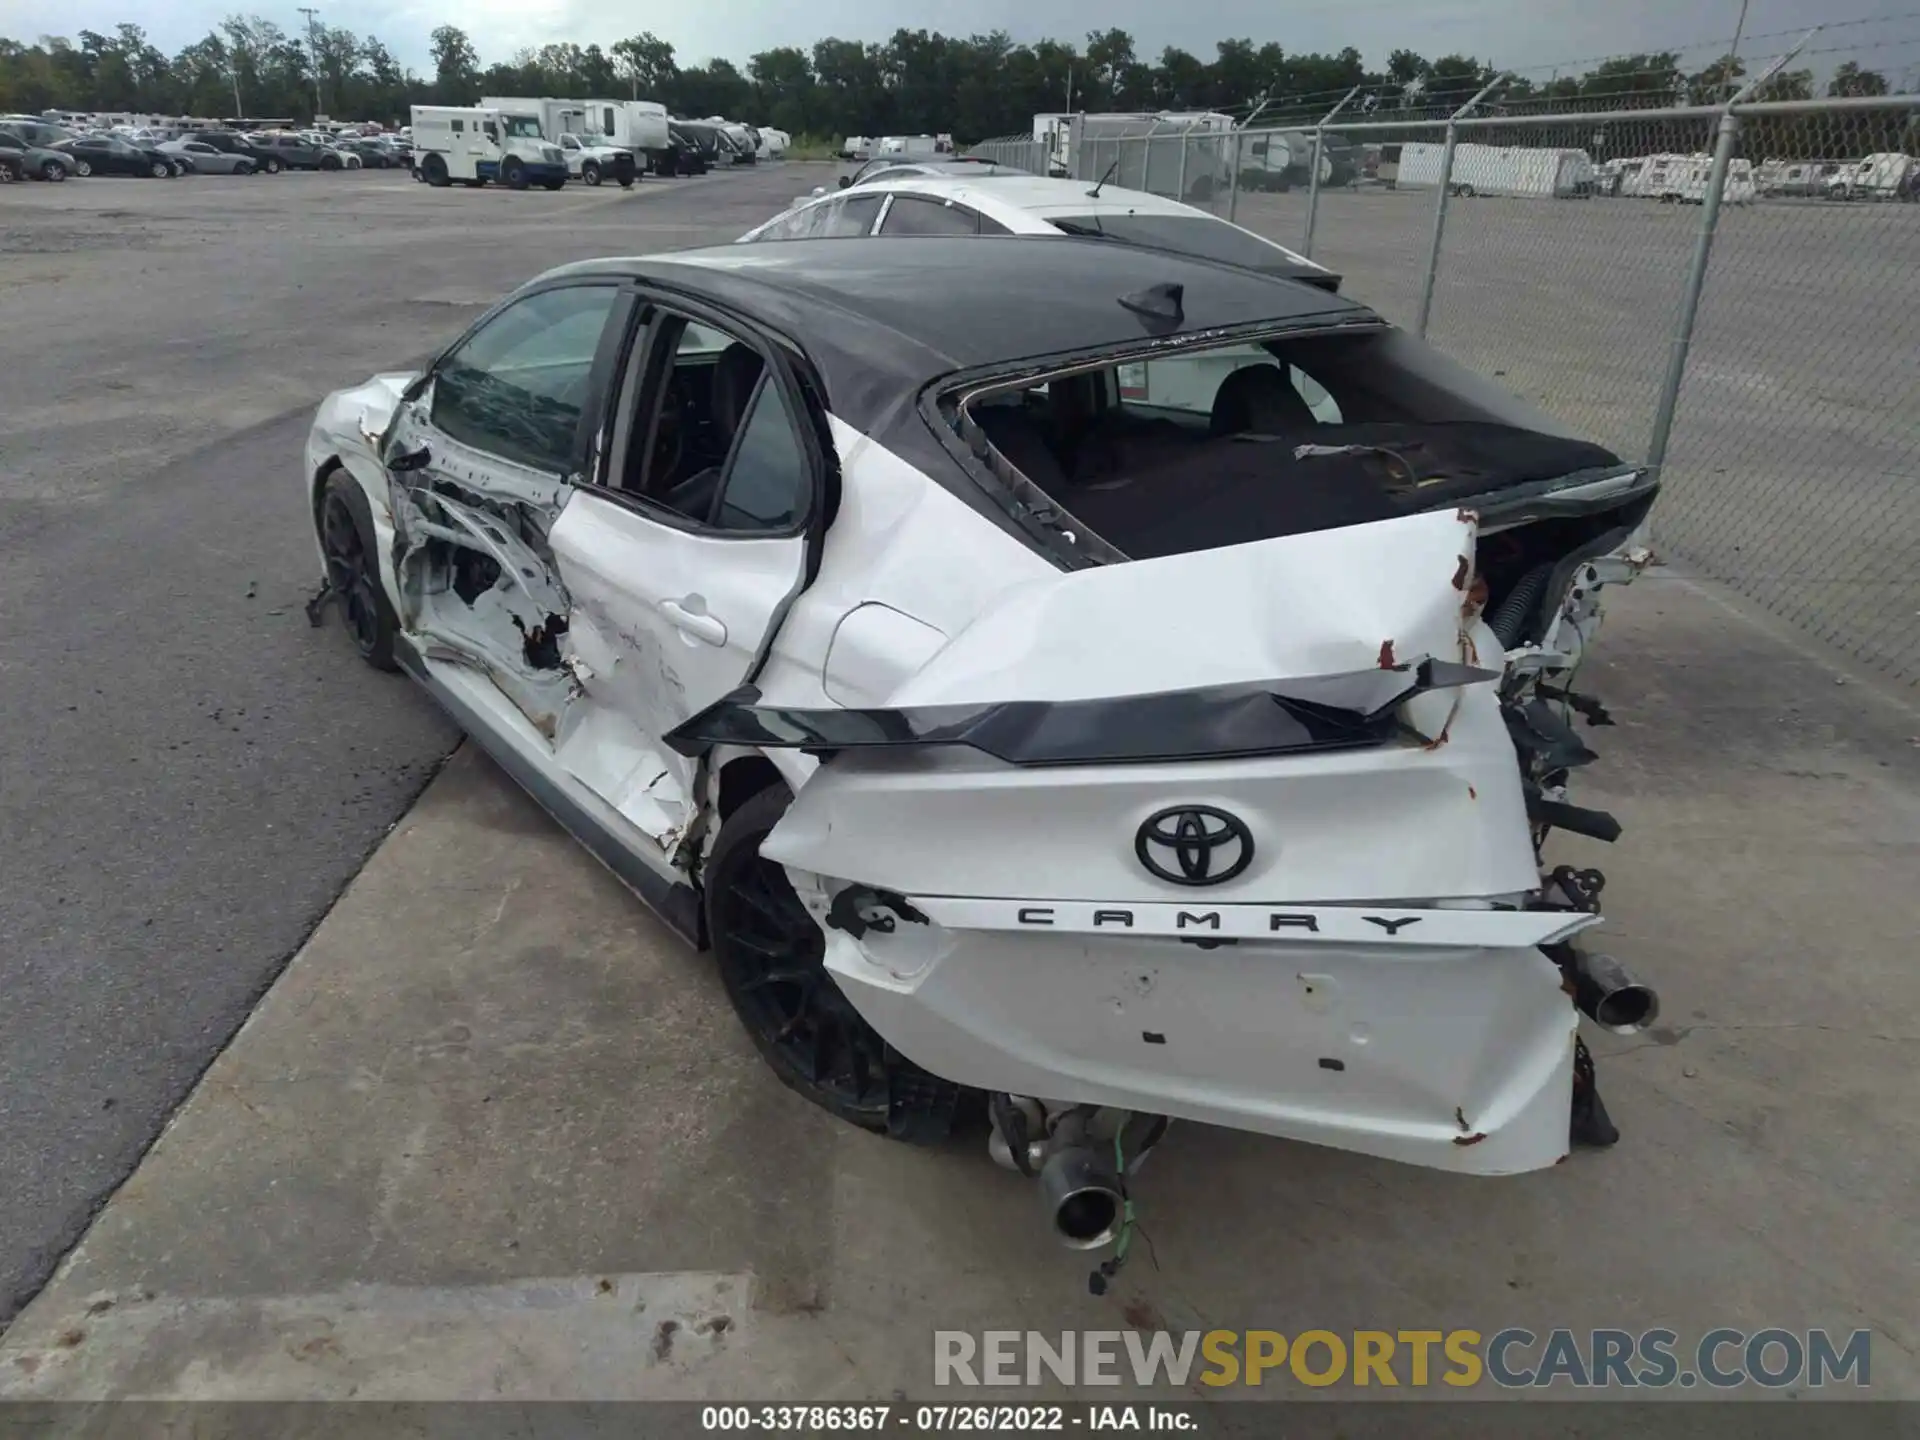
1607 994
1081 1197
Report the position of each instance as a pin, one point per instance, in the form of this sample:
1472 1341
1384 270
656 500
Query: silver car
207 160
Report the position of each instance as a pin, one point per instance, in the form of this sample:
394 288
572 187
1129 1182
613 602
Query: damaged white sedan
1122 686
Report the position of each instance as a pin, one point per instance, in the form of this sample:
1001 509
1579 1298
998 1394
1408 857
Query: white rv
1499 170
774 143
1888 175
473 144
636 125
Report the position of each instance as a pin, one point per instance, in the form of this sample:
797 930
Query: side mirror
845 181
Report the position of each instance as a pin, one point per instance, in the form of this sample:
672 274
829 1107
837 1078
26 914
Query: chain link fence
1731 292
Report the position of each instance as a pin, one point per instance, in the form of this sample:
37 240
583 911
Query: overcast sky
1521 34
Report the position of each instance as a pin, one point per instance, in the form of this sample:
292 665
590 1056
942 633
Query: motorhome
856 147
1884 176
908 147
1282 159
774 143
1499 170
475 144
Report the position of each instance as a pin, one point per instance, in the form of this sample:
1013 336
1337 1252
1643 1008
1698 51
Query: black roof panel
970 301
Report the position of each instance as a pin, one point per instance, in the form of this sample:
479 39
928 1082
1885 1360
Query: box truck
474 144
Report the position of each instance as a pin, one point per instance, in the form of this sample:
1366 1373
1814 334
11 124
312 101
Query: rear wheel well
319 487
743 778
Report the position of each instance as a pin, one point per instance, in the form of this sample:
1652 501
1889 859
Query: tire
770 956
554 184
160 170
626 184
327 162
83 168
347 541
590 173
272 164
245 167
513 173
435 170
53 170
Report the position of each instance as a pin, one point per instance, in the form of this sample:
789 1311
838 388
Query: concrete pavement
188 773
495 1133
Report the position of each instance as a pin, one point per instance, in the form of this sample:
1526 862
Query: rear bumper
1452 1056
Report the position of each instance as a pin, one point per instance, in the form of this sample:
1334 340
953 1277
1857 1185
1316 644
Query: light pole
313 50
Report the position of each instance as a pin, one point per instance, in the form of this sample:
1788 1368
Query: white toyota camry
1123 685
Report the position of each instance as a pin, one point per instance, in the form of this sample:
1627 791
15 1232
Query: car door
682 555
482 455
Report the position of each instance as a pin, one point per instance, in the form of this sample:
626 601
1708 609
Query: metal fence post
1682 342
1313 179
1239 156
1233 180
1440 207
1682 339
1180 183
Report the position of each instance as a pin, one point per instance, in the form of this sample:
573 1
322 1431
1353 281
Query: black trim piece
1321 712
677 905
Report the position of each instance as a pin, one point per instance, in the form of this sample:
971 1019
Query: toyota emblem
1194 845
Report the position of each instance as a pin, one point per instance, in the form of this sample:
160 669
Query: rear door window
923 215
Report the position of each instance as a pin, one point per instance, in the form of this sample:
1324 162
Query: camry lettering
1211 918
1392 927
1036 915
1113 917
1294 922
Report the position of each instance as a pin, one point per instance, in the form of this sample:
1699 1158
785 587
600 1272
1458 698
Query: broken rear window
1228 444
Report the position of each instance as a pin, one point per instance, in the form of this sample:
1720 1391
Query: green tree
456 67
645 62
1851 80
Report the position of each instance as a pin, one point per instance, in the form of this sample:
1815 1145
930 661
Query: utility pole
313 50
1069 90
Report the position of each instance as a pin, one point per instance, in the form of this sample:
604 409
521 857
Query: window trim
886 213
654 307
605 355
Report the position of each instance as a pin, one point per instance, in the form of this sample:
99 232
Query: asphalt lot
1794 469
189 774
495 1132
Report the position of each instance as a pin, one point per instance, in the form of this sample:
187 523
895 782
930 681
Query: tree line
916 82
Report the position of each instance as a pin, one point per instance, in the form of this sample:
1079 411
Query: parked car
987 202
297 153
1001 733
210 159
12 167
899 169
110 155
33 162
232 142
43 133
371 153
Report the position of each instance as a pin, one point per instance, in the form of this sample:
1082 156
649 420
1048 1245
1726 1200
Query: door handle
698 624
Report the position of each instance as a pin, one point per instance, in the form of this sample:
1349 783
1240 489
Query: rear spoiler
1323 712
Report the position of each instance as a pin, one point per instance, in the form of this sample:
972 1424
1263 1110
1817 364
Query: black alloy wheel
353 576
772 961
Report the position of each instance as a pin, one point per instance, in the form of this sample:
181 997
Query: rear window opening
1227 445
1203 237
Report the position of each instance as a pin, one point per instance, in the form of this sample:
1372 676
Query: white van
473 145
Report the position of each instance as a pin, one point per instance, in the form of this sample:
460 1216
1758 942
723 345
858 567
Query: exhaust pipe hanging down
1608 994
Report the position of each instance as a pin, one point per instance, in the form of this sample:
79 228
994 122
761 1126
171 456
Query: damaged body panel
1150 712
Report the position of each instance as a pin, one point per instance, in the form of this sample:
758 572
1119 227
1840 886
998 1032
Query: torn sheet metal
1276 717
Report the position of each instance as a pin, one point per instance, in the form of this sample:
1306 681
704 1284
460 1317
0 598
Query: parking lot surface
188 775
494 1131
